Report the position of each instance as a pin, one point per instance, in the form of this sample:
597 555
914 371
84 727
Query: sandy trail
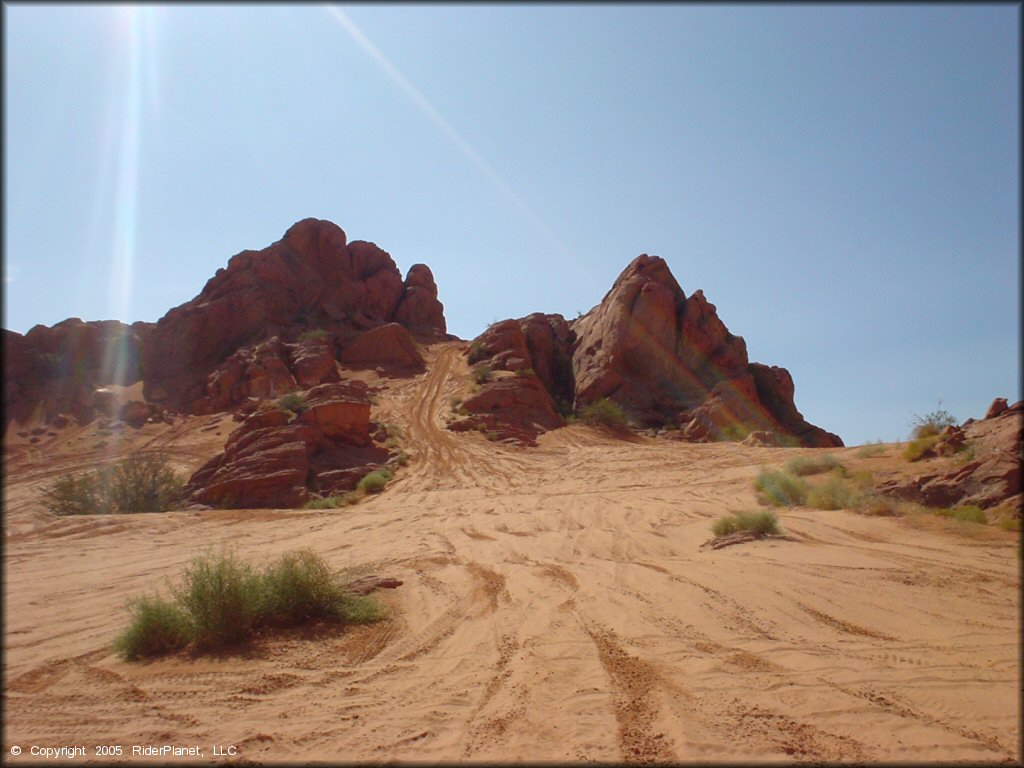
556 606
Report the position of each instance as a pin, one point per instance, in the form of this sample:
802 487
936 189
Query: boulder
275 458
390 347
516 407
134 413
998 406
419 309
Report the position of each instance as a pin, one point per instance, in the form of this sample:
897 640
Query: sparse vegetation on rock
604 413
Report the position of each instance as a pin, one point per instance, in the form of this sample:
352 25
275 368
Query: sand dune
556 606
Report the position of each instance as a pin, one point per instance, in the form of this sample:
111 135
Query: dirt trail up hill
556 606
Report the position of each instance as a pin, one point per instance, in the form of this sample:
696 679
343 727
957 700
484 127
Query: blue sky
841 181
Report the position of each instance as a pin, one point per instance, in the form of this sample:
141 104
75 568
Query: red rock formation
419 310
57 369
390 346
275 458
312 278
538 349
664 357
991 478
511 407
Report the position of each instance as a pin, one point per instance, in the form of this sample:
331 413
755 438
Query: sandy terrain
556 606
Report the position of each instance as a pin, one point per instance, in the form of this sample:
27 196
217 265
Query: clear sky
842 181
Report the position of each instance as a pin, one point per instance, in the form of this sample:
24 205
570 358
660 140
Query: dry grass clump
762 521
141 483
813 465
918 447
833 493
968 513
223 601
871 450
374 482
780 488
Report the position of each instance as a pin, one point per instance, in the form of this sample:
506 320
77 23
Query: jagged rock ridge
665 358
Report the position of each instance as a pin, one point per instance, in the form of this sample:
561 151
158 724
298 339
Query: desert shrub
763 521
604 412
780 488
293 402
917 448
158 626
931 423
833 493
222 597
877 505
812 465
1010 523
222 601
140 483
477 352
374 482
402 459
969 513
333 501
483 373
298 587
315 333
733 432
871 450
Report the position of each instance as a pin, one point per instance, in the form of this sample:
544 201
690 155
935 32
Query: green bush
315 333
604 412
763 521
293 402
812 465
222 597
969 513
157 627
917 449
780 488
222 602
833 493
140 483
333 501
733 433
931 423
1010 523
374 482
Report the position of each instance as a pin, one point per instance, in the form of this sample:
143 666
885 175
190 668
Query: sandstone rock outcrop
312 278
276 458
664 357
537 351
391 347
992 477
57 369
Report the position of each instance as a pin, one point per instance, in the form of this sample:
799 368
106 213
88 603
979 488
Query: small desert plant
477 352
763 521
733 432
1010 523
525 372
812 465
222 598
833 493
333 501
158 626
315 333
604 412
919 447
969 513
140 483
871 450
482 373
781 489
222 601
293 403
877 505
931 423
374 482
